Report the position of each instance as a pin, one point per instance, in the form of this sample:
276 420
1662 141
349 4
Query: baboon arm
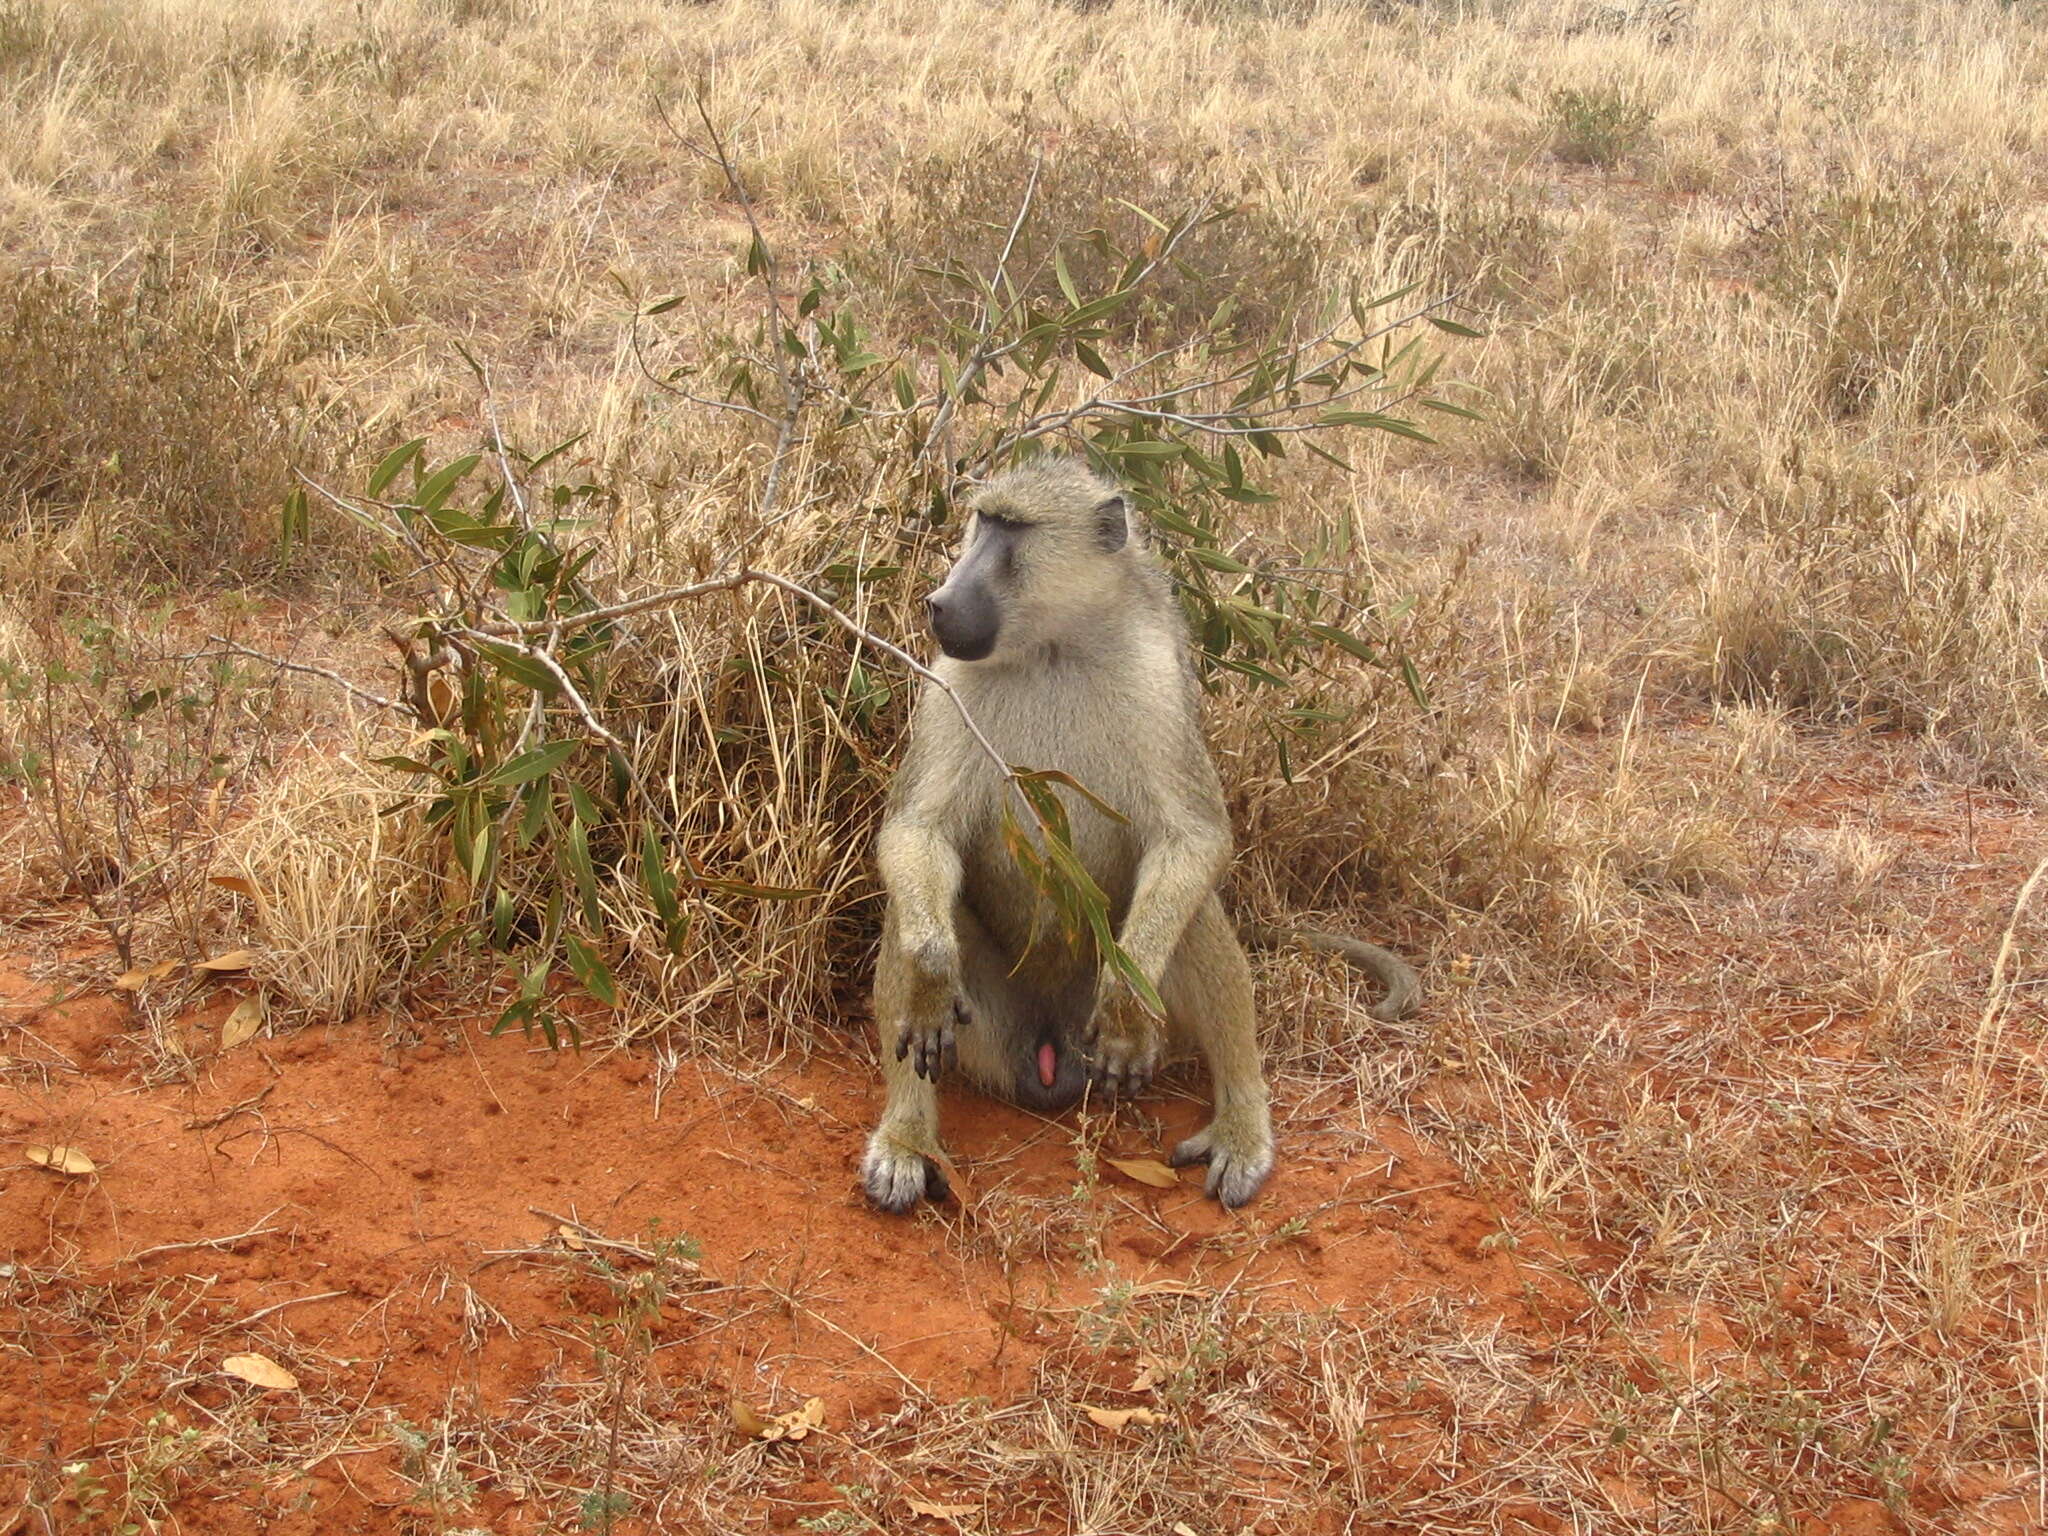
1175 876
920 868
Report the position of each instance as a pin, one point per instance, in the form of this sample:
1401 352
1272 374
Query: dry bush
131 753
1917 306
128 418
1598 125
1870 594
955 210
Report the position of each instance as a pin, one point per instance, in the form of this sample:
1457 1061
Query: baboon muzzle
963 617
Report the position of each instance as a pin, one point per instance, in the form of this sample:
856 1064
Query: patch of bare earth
521 1290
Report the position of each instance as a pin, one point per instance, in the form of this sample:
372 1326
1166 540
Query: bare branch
983 354
793 392
364 694
546 661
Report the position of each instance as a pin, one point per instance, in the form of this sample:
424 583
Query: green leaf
661 886
1089 313
1454 327
558 450
663 306
1344 640
1377 422
1066 281
591 970
394 461
443 480
1055 776
534 818
758 892
1452 410
520 667
757 255
528 766
576 853
1092 360
582 806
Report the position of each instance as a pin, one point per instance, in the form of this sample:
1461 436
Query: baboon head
1049 549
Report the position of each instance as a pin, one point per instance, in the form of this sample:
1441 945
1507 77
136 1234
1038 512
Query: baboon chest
1102 747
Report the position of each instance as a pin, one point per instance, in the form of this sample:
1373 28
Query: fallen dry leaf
1182 1528
260 1371
942 1511
790 1426
1114 1419
233 960
1169 1288
956 1181
1146 1170
245 1023
1151 1372
143 975
61 1159
235 883
570 1237
442 699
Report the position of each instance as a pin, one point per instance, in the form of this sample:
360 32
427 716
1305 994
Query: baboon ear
1112 524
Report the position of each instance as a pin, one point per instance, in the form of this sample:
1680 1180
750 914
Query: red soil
385 1178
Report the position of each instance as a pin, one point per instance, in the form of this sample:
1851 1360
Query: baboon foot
1239 1159
896 1175
928 1044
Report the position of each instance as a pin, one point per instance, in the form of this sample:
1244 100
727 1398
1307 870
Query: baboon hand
1123 1041
929 1041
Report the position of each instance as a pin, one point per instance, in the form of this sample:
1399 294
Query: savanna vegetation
468 469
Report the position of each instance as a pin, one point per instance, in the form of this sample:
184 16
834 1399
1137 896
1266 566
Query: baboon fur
1061 636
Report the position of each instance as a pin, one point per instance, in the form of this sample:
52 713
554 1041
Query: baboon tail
1403 986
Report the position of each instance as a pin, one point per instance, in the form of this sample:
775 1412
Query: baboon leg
1207 990
902 1162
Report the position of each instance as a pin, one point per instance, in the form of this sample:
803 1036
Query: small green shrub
1602 126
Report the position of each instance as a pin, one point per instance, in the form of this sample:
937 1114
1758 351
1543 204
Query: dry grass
1755 514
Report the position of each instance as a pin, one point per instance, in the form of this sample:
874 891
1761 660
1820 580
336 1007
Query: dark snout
964 622
964 613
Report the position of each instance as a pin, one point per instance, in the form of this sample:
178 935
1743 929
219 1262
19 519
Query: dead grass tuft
340 893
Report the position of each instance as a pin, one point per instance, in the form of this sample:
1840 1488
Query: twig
793 392
597 1239
299 666
259 1230
983 354
554 669
247 1106
860 1343
295 1301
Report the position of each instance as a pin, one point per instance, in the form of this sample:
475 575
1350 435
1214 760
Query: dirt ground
484 1262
